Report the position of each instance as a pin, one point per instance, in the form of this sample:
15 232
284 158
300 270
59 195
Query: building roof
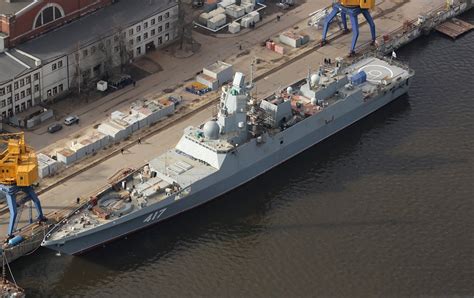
10 68
93 27
13 7
25 59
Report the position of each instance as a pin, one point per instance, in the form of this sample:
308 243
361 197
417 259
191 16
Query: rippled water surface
383 208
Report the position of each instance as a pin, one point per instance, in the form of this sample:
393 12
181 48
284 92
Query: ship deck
165 175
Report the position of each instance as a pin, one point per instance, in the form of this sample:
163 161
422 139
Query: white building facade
47 78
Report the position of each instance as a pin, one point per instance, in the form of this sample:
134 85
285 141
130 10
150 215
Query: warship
248 137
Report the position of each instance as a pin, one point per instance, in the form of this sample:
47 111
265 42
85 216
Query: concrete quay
273 71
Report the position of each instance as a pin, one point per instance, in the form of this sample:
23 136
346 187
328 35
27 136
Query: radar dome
314 101
211 130
315 79
289 90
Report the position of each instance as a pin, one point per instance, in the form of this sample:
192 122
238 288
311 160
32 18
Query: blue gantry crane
351 8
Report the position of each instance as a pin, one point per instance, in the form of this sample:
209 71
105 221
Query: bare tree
185 24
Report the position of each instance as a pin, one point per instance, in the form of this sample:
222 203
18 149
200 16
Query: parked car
120 81
70 120
54 127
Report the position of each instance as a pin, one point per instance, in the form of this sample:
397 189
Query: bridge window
48 14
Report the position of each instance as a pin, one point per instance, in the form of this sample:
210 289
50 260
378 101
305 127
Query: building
83 50
26 19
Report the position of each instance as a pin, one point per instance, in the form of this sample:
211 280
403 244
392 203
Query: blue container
15 240
359 78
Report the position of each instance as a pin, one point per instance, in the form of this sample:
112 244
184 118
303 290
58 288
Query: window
60 63
2 91
167 15
4 103
36 76
167 37
60 87
22 94
37 88
139 28
160 28
49 92
9 100
160 18
28 79
49 14
9 88
22 82
116 49
139 50
108 42
28 91
160 40
17 97
145 25
139 38
85 53
55 90
153 21
17 109
153 32
130 42
15 85
167 26
53 66
116 38
93 48
130 31
101 46
145 35
29 103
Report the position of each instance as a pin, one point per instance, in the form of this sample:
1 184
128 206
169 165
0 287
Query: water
384 208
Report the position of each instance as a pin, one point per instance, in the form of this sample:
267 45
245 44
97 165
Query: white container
248 7
132 121
53 166
113 130
246 21
235 11
255 16
102 86
43 169
234 28
117 115
225 3
204 17
66 156
217 21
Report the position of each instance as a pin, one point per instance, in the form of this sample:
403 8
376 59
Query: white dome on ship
211 130
315 78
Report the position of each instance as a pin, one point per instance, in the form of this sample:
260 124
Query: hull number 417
155 215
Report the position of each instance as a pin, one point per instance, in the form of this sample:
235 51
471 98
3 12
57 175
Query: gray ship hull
285 144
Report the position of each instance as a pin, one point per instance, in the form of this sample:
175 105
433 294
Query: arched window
48 14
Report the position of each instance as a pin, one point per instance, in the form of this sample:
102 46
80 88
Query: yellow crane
18 172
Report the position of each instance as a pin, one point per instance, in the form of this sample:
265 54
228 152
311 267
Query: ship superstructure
247 138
